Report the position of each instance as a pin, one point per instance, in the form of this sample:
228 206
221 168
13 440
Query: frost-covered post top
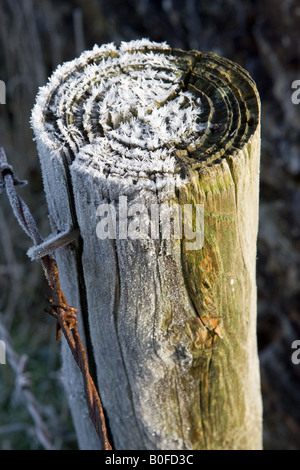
144 110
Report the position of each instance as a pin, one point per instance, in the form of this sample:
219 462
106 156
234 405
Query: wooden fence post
133 140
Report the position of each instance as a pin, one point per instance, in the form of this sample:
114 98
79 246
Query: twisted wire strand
64 314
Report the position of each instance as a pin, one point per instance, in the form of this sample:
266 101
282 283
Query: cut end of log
154 110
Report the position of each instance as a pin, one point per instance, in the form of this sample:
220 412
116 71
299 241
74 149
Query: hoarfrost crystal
129 102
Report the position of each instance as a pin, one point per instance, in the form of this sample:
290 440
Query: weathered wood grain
171 331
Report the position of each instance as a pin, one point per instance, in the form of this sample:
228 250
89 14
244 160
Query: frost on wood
172 338
131 103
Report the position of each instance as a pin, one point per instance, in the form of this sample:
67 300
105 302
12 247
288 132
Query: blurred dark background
263 37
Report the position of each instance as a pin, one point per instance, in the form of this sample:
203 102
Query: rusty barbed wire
65 315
